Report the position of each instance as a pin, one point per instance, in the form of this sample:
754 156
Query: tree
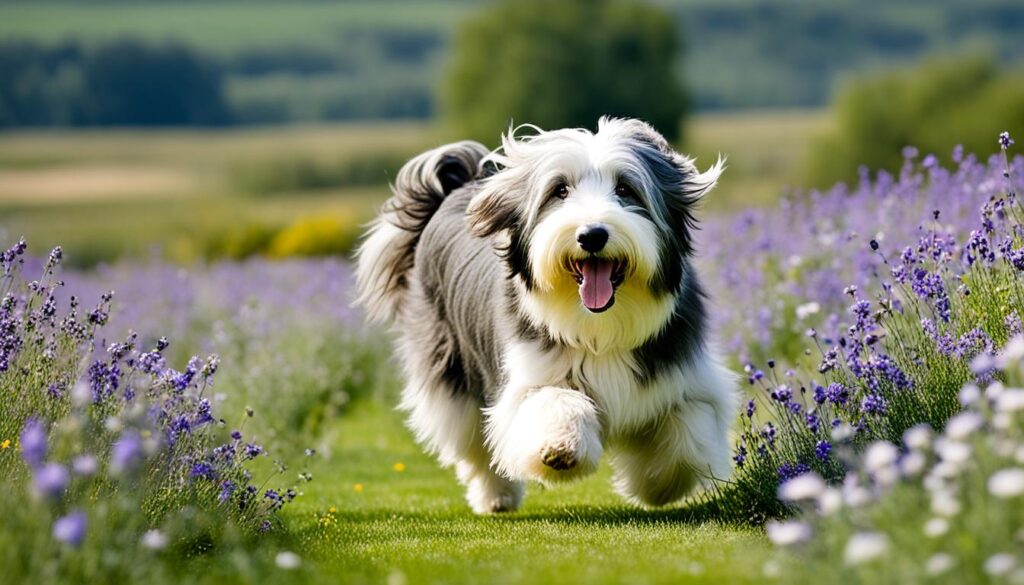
965 100
563 64
133 83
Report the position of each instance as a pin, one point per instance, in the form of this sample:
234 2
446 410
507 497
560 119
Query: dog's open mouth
598 278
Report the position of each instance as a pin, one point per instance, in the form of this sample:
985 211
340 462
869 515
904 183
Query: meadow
230 420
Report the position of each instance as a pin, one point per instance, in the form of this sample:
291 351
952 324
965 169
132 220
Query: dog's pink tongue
596 289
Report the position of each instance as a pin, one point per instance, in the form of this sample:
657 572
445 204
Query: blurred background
196 130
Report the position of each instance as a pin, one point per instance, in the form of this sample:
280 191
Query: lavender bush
287 336
936 507
109 454
919 313
779 271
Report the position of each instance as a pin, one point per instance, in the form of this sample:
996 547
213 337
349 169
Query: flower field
230 422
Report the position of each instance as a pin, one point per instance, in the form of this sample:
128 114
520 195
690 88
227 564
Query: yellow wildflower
399 467
332 509
358 487
6 444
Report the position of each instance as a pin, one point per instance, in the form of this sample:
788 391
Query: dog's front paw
559 458
555 436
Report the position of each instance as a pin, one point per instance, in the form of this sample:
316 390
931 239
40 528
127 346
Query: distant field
738 53
222 27
107 194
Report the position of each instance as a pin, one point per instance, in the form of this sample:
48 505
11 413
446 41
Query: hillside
306 60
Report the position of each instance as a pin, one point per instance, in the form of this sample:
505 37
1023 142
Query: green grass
415 523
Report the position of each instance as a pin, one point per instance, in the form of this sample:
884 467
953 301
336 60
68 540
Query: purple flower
782 394
33 443
203 470
227 488
179 426
820 395
57 253
837 393
1005 141
788 471
751 408
71 528
741 455
126 453
873 404
252 451
203 414
813 422
822 450
50 481
769 433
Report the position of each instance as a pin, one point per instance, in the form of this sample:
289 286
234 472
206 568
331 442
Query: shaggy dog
547 309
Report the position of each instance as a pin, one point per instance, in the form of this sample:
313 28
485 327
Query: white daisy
807 486
287 560
999 564
1007 483
865 546
938 564
787 533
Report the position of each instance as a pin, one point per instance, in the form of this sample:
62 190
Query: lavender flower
822 450
1005 141
33 443
71 529
50 480
126 454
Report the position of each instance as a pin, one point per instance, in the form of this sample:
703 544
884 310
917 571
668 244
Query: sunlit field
878 326
189 392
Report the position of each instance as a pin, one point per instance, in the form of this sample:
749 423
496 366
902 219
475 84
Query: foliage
307 59
942 507
120 83
563 65
936 308
116 456
290 343
965 101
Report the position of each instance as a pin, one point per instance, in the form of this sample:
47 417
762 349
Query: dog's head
595 227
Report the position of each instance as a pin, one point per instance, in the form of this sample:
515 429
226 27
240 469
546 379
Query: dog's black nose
592 238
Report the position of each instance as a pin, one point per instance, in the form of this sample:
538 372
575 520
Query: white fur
665 438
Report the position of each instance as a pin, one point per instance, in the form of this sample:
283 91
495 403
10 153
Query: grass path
411 526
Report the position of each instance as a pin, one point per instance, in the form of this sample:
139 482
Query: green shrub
564 64
965 101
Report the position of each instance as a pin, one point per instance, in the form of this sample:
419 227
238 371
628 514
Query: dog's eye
624 191
561 191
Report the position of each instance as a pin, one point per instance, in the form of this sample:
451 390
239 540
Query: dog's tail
386 254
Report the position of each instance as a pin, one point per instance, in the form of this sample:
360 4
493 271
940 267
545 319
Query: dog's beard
600 300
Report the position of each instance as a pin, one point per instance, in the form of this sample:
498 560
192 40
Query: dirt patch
91 183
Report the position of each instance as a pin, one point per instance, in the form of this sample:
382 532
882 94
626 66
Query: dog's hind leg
450 426
661 464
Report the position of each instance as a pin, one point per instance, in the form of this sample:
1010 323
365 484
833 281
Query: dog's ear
677 175
493 208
